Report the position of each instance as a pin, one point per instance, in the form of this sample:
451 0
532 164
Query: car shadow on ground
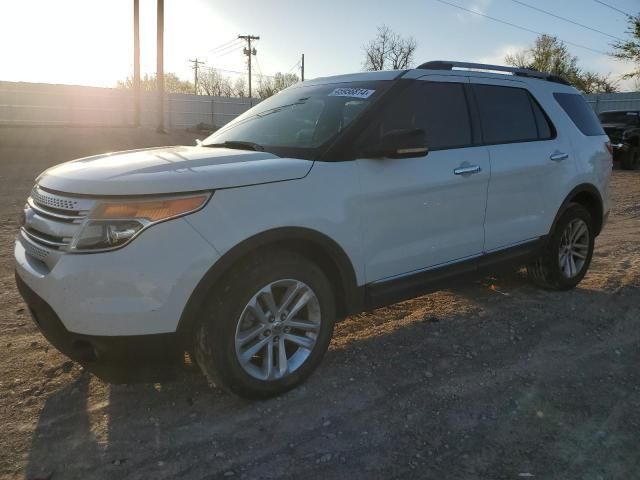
523 390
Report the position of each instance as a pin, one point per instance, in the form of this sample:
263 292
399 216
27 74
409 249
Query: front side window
506 114
298 121
438 108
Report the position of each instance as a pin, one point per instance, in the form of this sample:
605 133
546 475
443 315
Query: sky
90 42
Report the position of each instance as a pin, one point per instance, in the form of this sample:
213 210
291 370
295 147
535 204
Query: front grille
47 199
51 221
35 251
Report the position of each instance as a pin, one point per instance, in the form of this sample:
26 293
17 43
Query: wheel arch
588 196
314 245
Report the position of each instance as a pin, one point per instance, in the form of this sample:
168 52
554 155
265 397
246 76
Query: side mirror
400 144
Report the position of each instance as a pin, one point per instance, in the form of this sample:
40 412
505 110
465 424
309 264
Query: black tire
545 270
215 348
631 159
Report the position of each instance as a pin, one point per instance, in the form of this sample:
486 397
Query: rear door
425 211
530 163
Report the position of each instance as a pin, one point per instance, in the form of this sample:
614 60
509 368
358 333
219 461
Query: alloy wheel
574 248
277 329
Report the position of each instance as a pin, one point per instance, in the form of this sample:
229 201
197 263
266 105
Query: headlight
113 223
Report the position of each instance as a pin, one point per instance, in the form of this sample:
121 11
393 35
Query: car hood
169 170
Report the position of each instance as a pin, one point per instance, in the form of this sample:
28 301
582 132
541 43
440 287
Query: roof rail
519 72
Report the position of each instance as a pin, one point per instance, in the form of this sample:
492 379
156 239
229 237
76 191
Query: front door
426 211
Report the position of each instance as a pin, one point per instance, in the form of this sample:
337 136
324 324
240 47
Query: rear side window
440 109
508 115
580 113
546 131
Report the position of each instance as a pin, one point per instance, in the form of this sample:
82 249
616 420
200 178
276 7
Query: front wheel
565 258
268 327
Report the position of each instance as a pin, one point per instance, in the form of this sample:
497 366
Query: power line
233 50
566 19
237 72
224 51
518 26
224 45
613 8
294 67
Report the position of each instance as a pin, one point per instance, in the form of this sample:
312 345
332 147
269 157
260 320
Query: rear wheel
566 257
268 327
631 159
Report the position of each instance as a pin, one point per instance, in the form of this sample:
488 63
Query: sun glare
90 42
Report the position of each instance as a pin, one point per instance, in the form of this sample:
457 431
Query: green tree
172 84
550 54
629 50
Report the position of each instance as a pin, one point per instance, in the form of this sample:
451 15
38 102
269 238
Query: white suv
337 195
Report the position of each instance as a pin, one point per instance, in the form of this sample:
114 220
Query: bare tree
268 86
389 50
212 82
172 84
240 87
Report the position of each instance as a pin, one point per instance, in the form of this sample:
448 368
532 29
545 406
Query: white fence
38 104
601 102
69 105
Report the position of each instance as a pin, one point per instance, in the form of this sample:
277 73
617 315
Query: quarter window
580 113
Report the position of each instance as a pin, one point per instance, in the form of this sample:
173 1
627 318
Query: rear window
580 113
507 115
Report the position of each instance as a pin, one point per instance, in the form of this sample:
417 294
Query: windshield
627 118
299 121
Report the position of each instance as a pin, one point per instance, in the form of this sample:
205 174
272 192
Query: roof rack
519 72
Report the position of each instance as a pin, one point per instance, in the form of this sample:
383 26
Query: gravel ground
496 380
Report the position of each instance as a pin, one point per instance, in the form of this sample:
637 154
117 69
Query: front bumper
141 289
90 348
115 359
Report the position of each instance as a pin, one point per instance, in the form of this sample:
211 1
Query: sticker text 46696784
352 92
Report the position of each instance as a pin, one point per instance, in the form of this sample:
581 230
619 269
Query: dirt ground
502 382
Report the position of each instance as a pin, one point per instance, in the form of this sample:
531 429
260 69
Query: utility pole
196 63
302 68
136 62
160 65
248 52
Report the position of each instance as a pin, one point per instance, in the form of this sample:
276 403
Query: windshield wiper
237 144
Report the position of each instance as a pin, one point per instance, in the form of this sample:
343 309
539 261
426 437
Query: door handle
558 157
467 170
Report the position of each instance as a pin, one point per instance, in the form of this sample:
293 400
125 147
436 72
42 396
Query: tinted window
623 118
300 120
580 112
545 128
506 114
440 109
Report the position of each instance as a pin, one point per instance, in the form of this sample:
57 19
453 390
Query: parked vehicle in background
335 196
623 129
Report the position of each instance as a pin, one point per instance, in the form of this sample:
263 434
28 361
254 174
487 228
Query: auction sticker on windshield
352 92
